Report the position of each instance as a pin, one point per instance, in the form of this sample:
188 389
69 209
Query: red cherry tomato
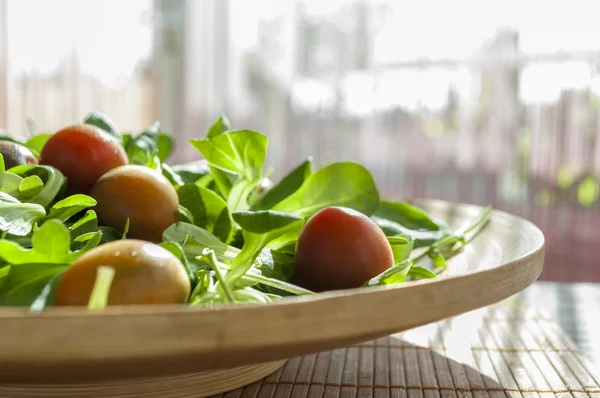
82 153
340 248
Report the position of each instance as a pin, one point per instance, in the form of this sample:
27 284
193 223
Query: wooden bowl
118 345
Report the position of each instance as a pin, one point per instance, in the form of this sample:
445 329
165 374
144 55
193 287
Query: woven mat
503 350
575 307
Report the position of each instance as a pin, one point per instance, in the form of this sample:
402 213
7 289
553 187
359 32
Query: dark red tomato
139 193
15 154
340 248
82 153
145 273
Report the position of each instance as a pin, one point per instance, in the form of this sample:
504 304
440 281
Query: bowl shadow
387 367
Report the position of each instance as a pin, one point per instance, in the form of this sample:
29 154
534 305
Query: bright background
475 101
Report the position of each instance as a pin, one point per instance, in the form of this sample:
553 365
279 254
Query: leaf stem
265 280
126 229
475 225
244 260
478 222
209 255
101 289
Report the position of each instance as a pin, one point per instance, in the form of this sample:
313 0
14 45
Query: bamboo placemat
575 307
503 350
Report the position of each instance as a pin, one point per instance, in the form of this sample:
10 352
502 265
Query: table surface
541 343
575 307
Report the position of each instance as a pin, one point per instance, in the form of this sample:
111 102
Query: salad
92 216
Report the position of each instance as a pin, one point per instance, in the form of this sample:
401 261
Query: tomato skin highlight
340 248
145 273
139 193
82 153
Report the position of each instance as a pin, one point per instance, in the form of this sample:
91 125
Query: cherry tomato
340 248
145 273
15 154
82 153
139 193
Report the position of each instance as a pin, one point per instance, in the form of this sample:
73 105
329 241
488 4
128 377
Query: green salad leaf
70 206
51 244
53 180
276 265
222 180
37 142
150 148
264 221
171 175
6 198
86 242
178 251
259 228
86 224
407 215
191 172
417 272
345 184
284 188
25 282
45 298
402 246
239 194
240 152
401 218
194 240
18 218
105 123
391 276
185 215
31 271
10 183
208 210
30 186
219 127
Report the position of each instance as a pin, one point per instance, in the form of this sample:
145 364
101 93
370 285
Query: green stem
452 239
125 229
250 295
478 224
244 260
479 221
101 289
265 280
212 261
204 298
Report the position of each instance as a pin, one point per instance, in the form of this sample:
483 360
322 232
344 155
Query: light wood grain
63 345
197 385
